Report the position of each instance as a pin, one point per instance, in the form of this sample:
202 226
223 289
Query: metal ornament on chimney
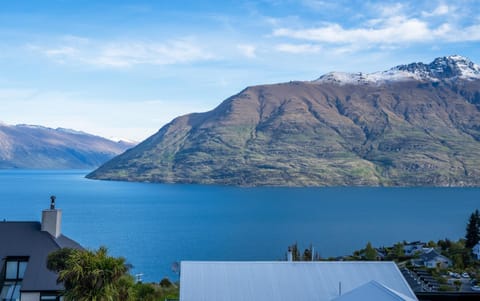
52 202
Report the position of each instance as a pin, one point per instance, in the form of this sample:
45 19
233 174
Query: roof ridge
54 239
389 290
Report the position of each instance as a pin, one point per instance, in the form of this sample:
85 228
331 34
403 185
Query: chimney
52 219
289 254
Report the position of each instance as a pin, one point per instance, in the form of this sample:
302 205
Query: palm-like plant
90 275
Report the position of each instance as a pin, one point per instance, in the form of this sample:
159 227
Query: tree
295 252
444 244
370 252
90 275
307 254
473 230
397 251
165 282
144 292
57 261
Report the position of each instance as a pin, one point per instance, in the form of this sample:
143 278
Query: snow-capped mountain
443 68
403 133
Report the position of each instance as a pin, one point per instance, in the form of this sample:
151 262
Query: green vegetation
370 252
464 268
96 276
472 236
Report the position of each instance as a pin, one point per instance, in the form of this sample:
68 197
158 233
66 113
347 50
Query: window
50 297
15 268
14 271
10 291
22 266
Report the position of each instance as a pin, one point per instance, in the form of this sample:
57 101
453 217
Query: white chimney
52 219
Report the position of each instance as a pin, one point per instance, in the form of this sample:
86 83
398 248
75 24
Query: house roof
432 255
373 291
239 281
27 239
476 247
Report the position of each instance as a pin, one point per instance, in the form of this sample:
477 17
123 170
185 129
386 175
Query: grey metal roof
242 281
27 239
373 291
432 255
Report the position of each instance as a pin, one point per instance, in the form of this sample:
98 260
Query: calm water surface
154 225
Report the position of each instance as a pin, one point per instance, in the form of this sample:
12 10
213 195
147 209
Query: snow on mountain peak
442 68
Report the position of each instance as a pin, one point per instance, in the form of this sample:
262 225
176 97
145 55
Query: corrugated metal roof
373 291
242 281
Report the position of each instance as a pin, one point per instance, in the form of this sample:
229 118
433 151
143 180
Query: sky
123 69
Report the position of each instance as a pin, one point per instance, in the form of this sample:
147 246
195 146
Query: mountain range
412 125
38 147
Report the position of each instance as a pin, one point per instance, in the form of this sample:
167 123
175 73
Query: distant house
381 253
432 259
413 248
476 251
282 281
24 249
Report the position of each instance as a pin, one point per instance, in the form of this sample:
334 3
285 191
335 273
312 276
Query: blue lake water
154 225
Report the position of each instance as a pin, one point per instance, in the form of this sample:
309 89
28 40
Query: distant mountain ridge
38 147
412 125
449 68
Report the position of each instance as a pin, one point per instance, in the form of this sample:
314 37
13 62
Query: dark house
24 247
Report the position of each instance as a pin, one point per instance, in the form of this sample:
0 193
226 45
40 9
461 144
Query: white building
476 251
282 281
432 259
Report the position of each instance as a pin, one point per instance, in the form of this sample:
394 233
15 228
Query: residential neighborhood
36 266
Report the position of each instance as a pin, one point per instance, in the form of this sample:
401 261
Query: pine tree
473 230
370 252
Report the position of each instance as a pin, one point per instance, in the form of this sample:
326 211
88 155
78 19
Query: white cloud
440 10
392 31
467 34
247 50
389 10
120 54
318 4
298 48
383 32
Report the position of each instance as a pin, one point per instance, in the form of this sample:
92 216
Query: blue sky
125 68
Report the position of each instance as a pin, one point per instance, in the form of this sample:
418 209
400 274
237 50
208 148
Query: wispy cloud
247 50
441 10
298 48
392 31
318 4
120 54
393 27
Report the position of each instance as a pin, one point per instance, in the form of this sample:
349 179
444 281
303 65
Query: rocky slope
412 125
36 147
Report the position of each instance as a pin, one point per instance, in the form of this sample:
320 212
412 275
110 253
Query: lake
154 225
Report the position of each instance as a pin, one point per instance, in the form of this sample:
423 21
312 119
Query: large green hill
409 126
